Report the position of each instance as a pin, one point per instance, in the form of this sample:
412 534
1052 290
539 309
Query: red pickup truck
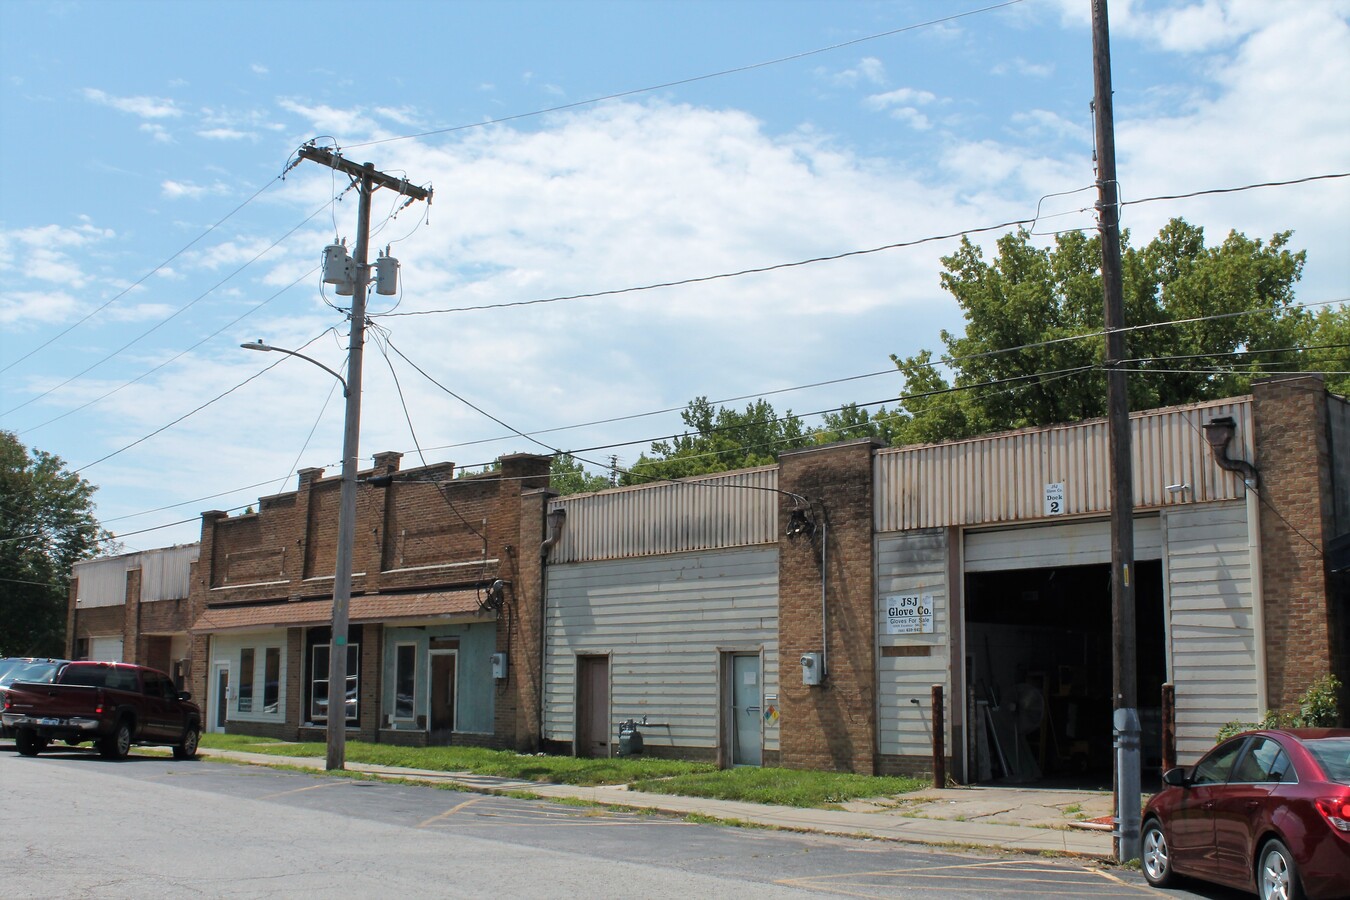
115 705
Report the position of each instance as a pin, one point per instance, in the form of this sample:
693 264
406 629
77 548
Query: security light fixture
800 522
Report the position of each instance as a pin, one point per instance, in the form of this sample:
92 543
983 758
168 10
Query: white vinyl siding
663 621
1213 638
1078 543
912 563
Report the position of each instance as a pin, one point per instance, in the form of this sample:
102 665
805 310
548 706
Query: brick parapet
832 726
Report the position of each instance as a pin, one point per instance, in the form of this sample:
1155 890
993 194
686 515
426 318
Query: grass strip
781 787
480 761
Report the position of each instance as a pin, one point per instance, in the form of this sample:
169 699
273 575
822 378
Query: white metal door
1080 543
106 649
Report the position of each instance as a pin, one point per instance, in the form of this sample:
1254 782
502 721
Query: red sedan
1266 811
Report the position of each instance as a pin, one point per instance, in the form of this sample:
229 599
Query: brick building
978 566
440 647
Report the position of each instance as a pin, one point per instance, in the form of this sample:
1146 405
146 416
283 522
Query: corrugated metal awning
370 608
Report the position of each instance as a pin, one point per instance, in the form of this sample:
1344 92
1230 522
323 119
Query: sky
146 228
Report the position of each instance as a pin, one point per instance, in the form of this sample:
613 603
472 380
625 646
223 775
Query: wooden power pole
367 180
1124 677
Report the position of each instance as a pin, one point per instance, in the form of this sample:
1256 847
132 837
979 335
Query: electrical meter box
811 670
499 666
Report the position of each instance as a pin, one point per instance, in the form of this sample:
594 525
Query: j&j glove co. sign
909 614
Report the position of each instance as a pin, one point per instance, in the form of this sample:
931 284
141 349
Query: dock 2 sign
909 613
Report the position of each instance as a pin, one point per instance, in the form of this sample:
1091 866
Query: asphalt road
149 827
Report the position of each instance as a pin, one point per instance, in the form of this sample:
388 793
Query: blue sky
131 131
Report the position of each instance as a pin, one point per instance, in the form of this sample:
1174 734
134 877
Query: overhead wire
189 413
138 282
172 359
759 270
692 79
168 318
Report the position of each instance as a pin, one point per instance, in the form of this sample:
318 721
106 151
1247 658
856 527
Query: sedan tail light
1336 811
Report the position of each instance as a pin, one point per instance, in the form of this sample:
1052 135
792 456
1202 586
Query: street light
342 577
268 348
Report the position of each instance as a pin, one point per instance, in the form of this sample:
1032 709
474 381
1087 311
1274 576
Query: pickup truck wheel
28 743
188 749
118 744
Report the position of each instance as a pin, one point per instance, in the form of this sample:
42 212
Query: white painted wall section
663 620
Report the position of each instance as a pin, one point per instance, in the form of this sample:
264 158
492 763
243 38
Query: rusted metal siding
1002 477
736 509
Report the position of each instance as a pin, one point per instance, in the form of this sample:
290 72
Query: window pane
353 671
1214 769
272 679
246 680
405 680
318 699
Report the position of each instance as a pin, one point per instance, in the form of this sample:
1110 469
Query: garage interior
1038 673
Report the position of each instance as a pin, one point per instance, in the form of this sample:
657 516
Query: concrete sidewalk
1024 820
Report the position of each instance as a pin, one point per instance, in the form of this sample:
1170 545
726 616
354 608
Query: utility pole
367 180
1124 680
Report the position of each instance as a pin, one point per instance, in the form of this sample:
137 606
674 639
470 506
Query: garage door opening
1038 665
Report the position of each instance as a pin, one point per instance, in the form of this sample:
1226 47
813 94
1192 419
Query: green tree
720 440
47 524
1048 302
853 421
568 476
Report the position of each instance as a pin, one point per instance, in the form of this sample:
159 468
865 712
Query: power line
952 361
170 317
758 270
690 80
171 359
138 282
189 413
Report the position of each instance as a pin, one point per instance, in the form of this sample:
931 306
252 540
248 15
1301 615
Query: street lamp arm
266 348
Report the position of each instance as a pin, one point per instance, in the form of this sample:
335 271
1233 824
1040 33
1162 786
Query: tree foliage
568 476
47 524
720 439
1213 318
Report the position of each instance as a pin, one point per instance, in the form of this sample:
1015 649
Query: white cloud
1021 66
903 104
144 107
401 115
25 310
1043 122
869 70
324 119
226 134
900 97
51 254
157 132
175 190
258 69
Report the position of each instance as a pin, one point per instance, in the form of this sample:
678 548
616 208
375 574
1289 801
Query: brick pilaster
1293 455
832 726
